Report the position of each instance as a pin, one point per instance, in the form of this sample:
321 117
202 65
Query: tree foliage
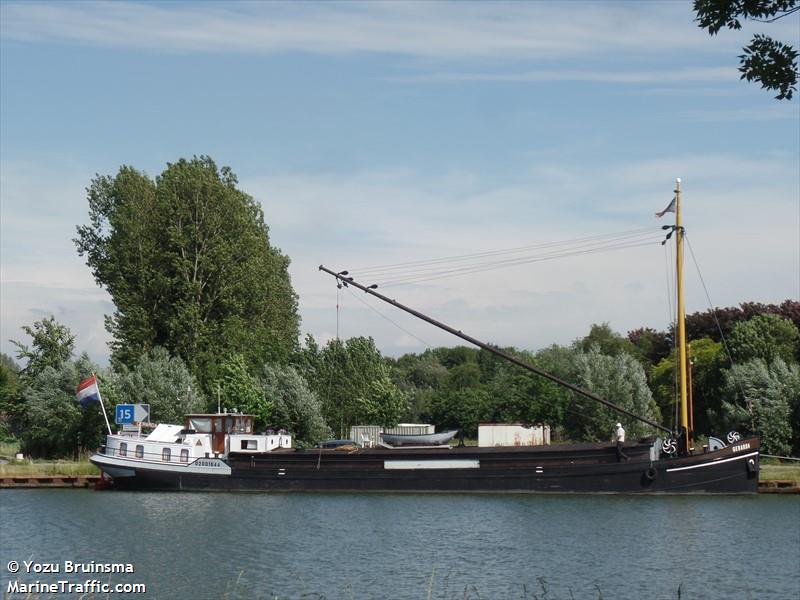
768 61
619 379
708 361
606 340
354 383
189 266
54 424
52 344
765 336
240 391
348 382
649 345
295 406
764 397
10 398
162 381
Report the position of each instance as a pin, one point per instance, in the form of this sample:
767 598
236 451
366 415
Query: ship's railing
137 452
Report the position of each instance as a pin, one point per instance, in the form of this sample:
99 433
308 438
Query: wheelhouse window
139 451
123 449
165 454
200 424
184 455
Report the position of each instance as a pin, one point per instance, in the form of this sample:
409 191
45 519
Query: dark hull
585 468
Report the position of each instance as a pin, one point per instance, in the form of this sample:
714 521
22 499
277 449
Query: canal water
243 546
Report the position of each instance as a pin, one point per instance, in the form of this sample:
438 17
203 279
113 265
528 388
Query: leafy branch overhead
766 60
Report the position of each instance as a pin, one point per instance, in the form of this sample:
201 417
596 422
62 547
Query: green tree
650 346
10 397
606 340
765 336
619 379
461 408
242 392
162 381
418 377
189 266
768 61
52 344
519 396
354 383
764 397
295 406
708 361
55 425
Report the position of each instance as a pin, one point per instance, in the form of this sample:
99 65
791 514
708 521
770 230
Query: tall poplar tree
189 266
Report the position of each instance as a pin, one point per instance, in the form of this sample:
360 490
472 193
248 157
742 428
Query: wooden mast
681 317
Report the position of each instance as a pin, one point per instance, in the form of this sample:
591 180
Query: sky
376 133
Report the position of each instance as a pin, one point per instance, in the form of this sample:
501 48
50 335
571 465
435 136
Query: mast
342 276
681 317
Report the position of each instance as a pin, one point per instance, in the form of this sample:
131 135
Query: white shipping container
512 434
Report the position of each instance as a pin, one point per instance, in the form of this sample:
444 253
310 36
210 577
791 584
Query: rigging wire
716 321
400 327
379 270
335 347
445 274
670 275
551 252
338 291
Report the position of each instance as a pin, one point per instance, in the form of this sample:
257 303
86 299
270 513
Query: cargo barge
223 451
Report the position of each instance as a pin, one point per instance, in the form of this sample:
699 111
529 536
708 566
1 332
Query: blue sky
375 133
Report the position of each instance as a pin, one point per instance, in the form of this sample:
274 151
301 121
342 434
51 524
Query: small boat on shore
420 439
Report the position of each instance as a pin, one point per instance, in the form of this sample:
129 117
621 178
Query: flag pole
103 407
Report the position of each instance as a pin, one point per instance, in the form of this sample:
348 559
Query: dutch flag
88 391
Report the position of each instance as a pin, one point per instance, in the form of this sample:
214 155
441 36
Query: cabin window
139 451
249 445
165 454
184 455
200 424
123 449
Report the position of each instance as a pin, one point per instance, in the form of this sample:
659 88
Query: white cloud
741 215
40 271
653 75
426 30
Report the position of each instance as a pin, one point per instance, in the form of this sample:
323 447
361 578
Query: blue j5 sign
124 414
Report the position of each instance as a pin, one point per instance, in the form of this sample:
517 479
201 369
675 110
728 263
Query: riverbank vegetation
205 316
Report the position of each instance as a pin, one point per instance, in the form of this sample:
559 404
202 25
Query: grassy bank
780 472
42 468
64 468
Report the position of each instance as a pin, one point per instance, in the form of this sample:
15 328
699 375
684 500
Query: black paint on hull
585 468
